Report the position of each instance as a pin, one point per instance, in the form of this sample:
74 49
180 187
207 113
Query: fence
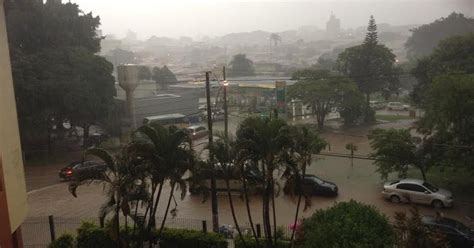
39 231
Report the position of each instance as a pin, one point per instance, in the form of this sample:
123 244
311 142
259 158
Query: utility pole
215 213
226 116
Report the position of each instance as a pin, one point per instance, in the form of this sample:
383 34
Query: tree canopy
241 66
449 119
371 66
163 76
321 91
454 55
347 224
56 74
426 37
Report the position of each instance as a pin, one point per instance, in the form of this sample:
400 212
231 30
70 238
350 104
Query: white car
397 106
417 191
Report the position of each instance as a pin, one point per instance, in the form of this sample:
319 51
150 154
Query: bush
348 224
251 243
182 238
90 235
64 241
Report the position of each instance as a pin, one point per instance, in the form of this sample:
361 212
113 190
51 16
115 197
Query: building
333 27
13 203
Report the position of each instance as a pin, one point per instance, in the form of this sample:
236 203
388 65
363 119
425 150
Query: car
313 185
417 191
376 105
197 132
456 232
74 169
397 106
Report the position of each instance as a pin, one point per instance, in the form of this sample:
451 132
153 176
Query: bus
178 120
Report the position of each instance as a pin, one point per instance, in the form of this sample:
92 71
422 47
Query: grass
458 180
392 118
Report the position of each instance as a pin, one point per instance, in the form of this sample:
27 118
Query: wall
10 148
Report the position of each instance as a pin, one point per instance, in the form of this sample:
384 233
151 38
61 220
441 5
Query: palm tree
171 156
264 141
304 143
119 184
224 151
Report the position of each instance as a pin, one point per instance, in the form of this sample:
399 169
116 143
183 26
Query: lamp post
226 116
128 80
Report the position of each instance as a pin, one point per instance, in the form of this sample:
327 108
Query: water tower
128 80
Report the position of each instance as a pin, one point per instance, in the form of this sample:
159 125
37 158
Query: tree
411 232
347 224
261 144
370 65
241 66
395 150
119 183
352 107
304 143
454 55
225 156
144 73
449 120
163 76
52 47
426 37
320 91
169 156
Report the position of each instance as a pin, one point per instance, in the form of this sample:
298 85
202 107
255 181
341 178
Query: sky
199 18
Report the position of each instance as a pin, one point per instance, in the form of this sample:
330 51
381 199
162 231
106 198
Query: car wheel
390 109
437 204
395 199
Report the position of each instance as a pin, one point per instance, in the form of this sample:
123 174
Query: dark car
456 232
74 169
313 185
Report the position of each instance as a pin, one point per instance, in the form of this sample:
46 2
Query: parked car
313 185
376 105
397 106
74 169
197 132
456 232
417 191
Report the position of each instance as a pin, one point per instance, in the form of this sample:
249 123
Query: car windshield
430 187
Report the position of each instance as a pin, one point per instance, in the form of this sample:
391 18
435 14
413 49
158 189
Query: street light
226 120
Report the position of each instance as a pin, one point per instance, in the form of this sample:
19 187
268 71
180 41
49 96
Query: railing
38 232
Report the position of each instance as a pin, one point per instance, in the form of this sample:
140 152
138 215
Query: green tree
449 120
170 155
241 66
320 91
395 150
411 232
144 73
119 182
352 107
262 144
304 143
163 76
348 224
52 47
426 37
454 55
370 65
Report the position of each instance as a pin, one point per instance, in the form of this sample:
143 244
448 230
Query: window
411 187
430 187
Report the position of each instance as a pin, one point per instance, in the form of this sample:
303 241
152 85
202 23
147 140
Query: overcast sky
198 18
